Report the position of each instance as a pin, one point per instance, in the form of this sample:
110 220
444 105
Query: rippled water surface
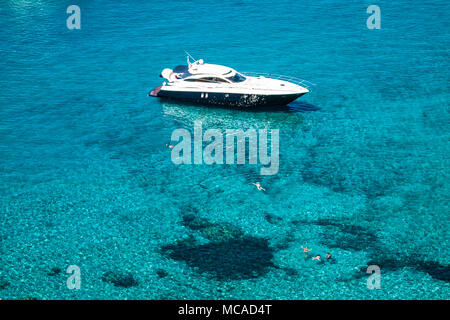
86 178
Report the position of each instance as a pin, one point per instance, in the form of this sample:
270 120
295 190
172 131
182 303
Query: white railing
301 82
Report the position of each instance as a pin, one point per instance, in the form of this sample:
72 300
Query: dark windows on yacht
236 78
207 79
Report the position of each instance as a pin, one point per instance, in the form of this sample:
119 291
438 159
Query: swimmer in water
316 258
306 250
171 146
328 256
258 185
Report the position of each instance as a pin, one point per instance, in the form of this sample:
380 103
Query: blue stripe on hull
229 99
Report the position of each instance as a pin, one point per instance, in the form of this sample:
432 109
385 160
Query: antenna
190 57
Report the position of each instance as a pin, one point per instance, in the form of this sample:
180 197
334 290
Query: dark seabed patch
349 237
234 259
291 272
4 284
343 235
120 279
210 230
229 254
162 273
29 298
54 271
273 219
340 174
388 263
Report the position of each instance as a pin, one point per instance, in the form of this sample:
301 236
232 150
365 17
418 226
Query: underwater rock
162 273
229 255
234 259
4 284
272 218
190 240
49 224
195 223
120 279
281 245
190 208
212 231
346 236
338 172
433 268
291 272
222 232
54 271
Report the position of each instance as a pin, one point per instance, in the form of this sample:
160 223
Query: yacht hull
228 99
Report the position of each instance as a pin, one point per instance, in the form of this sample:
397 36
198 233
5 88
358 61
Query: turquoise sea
86 178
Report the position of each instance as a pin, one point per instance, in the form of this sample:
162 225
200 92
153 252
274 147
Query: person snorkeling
330 258
306 250
258 185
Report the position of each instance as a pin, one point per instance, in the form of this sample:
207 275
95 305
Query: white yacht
205 83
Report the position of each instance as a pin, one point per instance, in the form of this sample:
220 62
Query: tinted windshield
208 79
236 78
